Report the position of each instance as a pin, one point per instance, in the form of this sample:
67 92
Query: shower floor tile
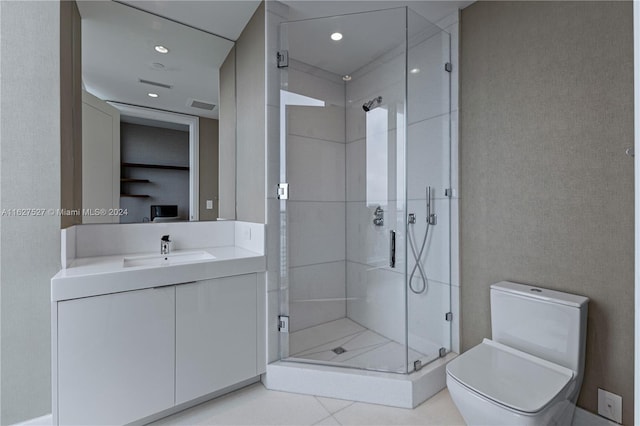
362 347
312 337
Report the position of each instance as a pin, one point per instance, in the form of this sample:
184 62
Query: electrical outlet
209 204
610 405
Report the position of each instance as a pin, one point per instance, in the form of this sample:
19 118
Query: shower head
373 103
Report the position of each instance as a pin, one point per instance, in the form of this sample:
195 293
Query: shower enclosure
364 200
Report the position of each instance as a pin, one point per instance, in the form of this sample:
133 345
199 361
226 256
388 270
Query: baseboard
583 417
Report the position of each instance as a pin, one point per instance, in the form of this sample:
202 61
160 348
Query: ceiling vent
200 104
155 83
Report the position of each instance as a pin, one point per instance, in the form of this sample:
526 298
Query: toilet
531 371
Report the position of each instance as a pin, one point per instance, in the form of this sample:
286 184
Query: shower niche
365 274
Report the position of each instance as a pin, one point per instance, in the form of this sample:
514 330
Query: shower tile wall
375 293
316 206
372 287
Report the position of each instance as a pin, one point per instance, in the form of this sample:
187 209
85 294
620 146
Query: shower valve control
432 218
378 216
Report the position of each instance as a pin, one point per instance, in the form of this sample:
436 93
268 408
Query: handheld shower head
373 103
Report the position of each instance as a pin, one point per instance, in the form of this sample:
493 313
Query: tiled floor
362 347
255 405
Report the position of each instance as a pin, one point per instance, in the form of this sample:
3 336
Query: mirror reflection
149 115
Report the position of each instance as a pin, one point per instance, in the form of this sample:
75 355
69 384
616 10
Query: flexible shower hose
418 265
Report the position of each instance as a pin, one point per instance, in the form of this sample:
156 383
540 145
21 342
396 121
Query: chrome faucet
164 245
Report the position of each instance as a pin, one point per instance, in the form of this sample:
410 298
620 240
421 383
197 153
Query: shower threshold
374 387
341 359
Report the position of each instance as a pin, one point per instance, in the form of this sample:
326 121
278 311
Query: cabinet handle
169 285
392 249
158 287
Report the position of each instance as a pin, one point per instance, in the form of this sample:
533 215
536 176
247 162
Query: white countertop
93 276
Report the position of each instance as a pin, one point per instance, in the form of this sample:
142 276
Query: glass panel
342 141
353 179
428 171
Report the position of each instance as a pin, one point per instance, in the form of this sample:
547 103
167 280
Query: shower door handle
392 249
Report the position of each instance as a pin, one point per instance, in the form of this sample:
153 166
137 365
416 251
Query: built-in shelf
146 166
131 180
155 166
134 180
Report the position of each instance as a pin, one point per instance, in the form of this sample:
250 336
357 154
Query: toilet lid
510 377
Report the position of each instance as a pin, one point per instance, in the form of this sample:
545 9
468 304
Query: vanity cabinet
121 357
216 335
116 356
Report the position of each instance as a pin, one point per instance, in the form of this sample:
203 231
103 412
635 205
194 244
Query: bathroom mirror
150 115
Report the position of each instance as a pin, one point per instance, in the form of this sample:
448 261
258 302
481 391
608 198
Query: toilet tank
548 324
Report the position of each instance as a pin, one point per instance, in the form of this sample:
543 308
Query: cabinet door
116 356
215 335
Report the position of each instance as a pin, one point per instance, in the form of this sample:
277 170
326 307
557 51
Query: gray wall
242 125
227 141
71 110
208 187
29 177
546 189
250 119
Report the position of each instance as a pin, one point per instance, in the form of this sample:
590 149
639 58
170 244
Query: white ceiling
226 18
118 40
118 50
370 29
434 11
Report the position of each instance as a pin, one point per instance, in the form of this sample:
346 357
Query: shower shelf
131 180
155 166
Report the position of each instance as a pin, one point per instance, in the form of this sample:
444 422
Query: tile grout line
323 406
343 408
316 139
350 403
366 349
328 342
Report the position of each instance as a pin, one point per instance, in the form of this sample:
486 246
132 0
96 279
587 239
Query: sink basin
166 260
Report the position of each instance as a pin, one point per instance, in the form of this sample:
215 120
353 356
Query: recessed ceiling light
161 49
346 77
152 95
415 71
336 36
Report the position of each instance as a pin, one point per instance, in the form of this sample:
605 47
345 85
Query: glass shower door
343 245
428 189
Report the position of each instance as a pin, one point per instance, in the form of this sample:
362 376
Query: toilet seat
510 378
